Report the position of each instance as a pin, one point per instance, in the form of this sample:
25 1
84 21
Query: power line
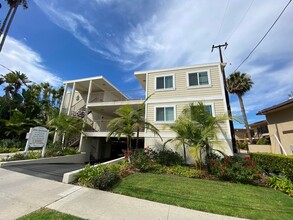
222 21
233 32
263 36
6 67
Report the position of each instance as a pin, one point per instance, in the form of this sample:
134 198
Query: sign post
37 137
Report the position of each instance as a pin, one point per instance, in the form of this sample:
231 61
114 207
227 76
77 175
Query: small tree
196 128
130 120
122 125
66 126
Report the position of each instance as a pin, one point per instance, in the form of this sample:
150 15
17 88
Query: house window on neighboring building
164 82
198 79
165 114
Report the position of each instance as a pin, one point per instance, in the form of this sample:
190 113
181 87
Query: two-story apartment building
171 90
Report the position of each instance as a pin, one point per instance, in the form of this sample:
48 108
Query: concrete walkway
21 194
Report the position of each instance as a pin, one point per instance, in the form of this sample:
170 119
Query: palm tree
123 125
13 5
14 81
65 126
240 83
140 122
197 129
181 127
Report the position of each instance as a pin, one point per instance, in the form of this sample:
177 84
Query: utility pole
226 93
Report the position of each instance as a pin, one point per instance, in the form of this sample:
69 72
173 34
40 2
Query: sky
54 41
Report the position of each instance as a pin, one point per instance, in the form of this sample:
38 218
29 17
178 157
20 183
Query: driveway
47 171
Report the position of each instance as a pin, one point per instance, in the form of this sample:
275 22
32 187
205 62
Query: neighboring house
259 129
280 124
240 134
95 99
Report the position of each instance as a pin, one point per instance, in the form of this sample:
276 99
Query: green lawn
48 214
225 198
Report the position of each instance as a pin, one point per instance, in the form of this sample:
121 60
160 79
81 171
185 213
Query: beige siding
218 107
181 89
155 143
281 124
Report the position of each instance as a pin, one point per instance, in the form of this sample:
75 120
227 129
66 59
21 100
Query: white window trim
198 86
164 106
208 103
168 89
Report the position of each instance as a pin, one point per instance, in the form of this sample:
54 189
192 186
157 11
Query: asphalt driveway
47 171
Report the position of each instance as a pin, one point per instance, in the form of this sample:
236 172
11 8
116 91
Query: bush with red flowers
237 169
139 159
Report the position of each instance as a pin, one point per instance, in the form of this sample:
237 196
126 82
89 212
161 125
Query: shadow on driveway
47 171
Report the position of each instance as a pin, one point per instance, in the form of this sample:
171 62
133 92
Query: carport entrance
47 171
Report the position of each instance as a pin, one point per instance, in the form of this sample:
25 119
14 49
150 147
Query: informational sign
37 137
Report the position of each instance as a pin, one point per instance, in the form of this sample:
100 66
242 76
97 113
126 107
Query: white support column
71 99
88 98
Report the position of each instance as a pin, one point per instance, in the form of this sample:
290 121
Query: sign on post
37 137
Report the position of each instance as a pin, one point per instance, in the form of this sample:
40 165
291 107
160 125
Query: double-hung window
165 114
198 79
164 82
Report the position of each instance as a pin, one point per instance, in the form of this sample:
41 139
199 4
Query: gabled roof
275 107
258 123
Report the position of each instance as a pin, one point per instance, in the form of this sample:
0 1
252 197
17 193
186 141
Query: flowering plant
139 159
238 169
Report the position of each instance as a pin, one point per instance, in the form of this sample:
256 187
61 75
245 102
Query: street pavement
21 194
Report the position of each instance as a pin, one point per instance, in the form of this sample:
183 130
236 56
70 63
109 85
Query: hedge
274 163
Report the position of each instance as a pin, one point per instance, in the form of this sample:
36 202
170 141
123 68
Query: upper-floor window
196 79
165 114
164 82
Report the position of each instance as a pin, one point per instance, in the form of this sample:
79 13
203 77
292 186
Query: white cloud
18 56
172 33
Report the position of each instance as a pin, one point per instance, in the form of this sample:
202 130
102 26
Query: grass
48 214
224 198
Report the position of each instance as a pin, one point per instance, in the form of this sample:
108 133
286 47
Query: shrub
139 159
10 143
22 156
262 141
100 177
183 171
107 177
236 169
167 157
274 163
242 145
9 150
281 183
85 176
56 149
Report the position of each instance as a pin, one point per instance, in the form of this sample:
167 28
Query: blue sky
56 41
